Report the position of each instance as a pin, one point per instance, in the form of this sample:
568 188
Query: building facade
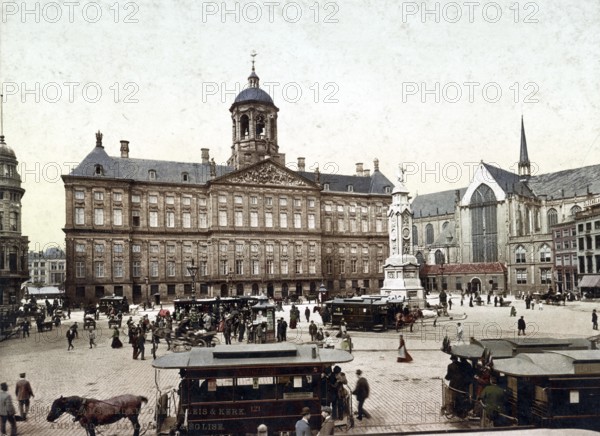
588 248
134 227
13 245
498 233
48 268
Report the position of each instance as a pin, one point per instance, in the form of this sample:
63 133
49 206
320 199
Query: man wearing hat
328 426
7 411
23 393
302 425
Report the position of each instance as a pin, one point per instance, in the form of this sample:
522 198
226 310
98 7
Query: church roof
510 182
465 268
436 203
567 183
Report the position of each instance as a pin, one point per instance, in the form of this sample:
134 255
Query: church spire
524 164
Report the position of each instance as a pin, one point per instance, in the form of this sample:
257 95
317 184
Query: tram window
296 387
574 397
540 394
255 388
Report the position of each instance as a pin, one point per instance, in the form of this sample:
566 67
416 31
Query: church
508 232
157 230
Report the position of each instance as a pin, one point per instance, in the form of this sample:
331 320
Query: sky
437 86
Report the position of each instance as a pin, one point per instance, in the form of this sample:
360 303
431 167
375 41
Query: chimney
376 165
301 164
205 155
124 148
359 169
367 173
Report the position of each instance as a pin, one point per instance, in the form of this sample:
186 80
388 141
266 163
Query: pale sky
361 66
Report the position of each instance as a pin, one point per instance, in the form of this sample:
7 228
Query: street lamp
442 272
192 270
147 292
322 292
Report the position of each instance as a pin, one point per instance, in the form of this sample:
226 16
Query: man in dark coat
521 326
312 330
594 320
362 393
307 314
140 341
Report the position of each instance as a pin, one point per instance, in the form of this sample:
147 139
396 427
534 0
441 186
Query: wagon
114 322
89 322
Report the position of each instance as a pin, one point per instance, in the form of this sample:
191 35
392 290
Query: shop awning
590 281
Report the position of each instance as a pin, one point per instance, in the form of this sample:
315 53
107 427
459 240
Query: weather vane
253 54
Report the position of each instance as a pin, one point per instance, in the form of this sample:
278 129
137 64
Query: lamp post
322 292
147 292
192 270
442 272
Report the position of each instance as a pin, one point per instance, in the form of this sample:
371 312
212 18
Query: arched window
545 253
185 177
575 209
527 223
439 257
98 170
260 126
429 234
520 254
415 236
552 217
445 225
151 174
420 258
244 125
484 232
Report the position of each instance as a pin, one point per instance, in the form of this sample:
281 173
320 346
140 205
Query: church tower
524 164
401 269
254 126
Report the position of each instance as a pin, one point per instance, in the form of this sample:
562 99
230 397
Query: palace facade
142 228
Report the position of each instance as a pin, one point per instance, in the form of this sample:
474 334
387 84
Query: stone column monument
401 270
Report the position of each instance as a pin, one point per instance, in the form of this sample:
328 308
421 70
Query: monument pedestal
402 280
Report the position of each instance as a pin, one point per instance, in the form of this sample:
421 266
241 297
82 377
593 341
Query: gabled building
499 229
135 226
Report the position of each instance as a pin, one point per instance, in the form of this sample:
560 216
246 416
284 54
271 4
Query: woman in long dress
116 342
403 355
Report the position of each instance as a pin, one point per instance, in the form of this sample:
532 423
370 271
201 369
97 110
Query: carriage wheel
201 343
447 412
214 341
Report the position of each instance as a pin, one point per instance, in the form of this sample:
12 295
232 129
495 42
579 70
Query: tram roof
247 355
506 348
551 363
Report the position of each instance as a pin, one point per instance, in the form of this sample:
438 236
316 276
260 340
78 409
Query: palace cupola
254 126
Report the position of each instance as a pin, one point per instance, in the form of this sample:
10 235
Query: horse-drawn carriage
115 321
89 322
194 338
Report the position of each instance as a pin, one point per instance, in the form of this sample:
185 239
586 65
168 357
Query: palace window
520 254
99 217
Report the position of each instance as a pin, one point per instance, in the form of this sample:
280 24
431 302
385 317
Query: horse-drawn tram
232 389
544 382
364 313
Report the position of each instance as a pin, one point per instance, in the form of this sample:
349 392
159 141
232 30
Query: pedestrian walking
462 299
449 303
513 311
594 320
92 338
26 326
7 411
312 330
24 393
403 355
302 425
521 326
307 314
69 312
361 391
471 301
140 340
532 304
541 306
459 333
116 342
70 336
328 425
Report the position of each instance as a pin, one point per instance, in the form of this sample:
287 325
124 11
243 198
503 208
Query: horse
91 412
409 319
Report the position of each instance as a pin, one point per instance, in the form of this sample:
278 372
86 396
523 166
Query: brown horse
91 412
